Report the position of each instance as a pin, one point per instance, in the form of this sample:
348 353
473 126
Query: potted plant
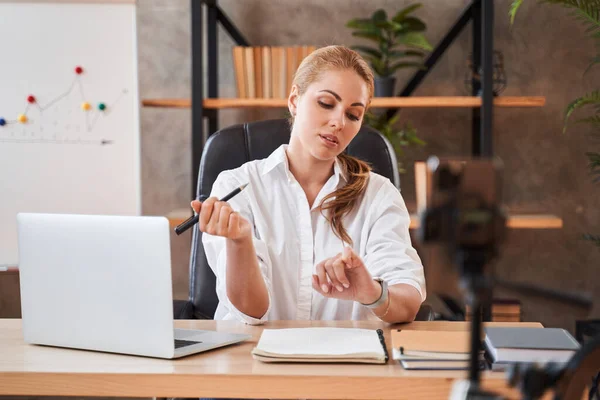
399 43
399 138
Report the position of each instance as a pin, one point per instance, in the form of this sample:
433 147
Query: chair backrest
233 146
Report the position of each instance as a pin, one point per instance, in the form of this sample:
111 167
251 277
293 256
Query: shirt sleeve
216 254
389 251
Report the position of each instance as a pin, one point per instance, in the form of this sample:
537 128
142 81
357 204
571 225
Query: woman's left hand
346 277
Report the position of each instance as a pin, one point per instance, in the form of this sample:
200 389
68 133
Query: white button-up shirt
290 239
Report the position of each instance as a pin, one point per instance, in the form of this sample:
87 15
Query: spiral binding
382 341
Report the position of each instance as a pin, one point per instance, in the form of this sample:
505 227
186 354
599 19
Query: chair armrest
183 309
425 313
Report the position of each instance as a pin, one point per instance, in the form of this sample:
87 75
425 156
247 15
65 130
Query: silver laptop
103 283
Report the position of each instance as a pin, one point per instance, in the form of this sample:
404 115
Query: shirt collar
337 170
278 157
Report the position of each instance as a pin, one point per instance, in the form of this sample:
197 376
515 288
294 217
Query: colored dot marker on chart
22 118
101 106
85 106
31 99
78 70
2 122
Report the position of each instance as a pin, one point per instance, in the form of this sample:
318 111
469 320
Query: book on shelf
239 67
290 68
267 71
258 71
277 72
326 345
249 78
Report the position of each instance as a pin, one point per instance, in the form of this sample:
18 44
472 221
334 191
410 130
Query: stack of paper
432 349
321 345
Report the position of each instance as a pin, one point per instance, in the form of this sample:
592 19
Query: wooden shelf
378 102
167 103
519 221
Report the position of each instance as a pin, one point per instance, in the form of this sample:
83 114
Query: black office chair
231 147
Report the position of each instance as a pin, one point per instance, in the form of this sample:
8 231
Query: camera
462 207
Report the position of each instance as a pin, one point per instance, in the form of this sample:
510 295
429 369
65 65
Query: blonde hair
357 171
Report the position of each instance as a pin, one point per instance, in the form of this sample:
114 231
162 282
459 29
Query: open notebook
348 345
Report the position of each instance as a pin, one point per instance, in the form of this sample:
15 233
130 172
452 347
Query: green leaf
414 24
367 35
379 15
594 121
595 60
589 15
417 40
379 67
405 53
594 165
399 65
372 29
418 142
384 25
586 11
399 17
580 102
384 47
362 24
414 53
396 26
399 138
514 7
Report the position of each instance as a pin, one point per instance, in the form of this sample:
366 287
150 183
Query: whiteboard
74 146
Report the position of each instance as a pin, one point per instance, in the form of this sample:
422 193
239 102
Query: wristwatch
384 294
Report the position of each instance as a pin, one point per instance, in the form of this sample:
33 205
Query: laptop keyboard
179 343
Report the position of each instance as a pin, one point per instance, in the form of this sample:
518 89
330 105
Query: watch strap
384 294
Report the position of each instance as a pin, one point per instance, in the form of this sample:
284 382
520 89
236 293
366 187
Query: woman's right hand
217 218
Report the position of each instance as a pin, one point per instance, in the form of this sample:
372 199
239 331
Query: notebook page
320 341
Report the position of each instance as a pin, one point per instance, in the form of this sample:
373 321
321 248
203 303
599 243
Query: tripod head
463 212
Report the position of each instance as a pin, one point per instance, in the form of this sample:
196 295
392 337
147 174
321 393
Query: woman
315 234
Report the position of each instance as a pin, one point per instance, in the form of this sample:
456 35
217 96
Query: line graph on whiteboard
67 118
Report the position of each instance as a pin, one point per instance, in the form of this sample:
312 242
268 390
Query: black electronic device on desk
464 212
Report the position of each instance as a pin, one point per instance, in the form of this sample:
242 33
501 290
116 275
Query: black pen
185 225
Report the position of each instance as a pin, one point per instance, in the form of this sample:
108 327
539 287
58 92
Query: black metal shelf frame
479 12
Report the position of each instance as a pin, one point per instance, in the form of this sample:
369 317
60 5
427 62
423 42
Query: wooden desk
28 370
